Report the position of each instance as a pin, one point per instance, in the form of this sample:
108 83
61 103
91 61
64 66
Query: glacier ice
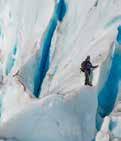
39 63
104 133
110 89
105 107
65 109
58 114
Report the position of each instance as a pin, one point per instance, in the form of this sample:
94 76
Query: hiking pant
87 77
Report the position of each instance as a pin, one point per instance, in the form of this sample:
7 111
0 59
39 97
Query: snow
42 93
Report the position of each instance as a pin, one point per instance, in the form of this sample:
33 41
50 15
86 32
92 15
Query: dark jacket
87 66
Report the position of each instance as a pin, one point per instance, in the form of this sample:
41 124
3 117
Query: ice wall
55 118
79 35
22 26
38 64
66 109
108 93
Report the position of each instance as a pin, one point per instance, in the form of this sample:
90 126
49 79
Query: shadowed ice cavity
108 93
38 64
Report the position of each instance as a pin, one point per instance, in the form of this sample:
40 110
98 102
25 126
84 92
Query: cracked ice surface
66 110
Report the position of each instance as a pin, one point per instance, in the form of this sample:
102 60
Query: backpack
82 66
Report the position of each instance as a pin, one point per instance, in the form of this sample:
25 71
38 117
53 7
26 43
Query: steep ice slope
39 62
109 91
90 33
66 109
22 27
107 97
18 20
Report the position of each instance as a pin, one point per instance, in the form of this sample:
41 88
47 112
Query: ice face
54 118
108 94
42 46
39 63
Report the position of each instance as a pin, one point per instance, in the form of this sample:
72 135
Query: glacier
42 92
110 89
40 62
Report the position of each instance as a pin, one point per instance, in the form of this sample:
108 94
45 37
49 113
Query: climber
87 68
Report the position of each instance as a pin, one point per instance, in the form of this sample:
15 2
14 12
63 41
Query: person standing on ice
87 68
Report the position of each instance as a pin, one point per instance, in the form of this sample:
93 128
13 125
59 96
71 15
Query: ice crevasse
43 43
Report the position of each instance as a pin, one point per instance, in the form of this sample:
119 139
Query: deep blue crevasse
43 66
33 72
108 94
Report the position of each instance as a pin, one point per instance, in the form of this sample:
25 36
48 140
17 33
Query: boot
90 84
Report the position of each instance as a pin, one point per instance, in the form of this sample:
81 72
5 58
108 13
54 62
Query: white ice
66 109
